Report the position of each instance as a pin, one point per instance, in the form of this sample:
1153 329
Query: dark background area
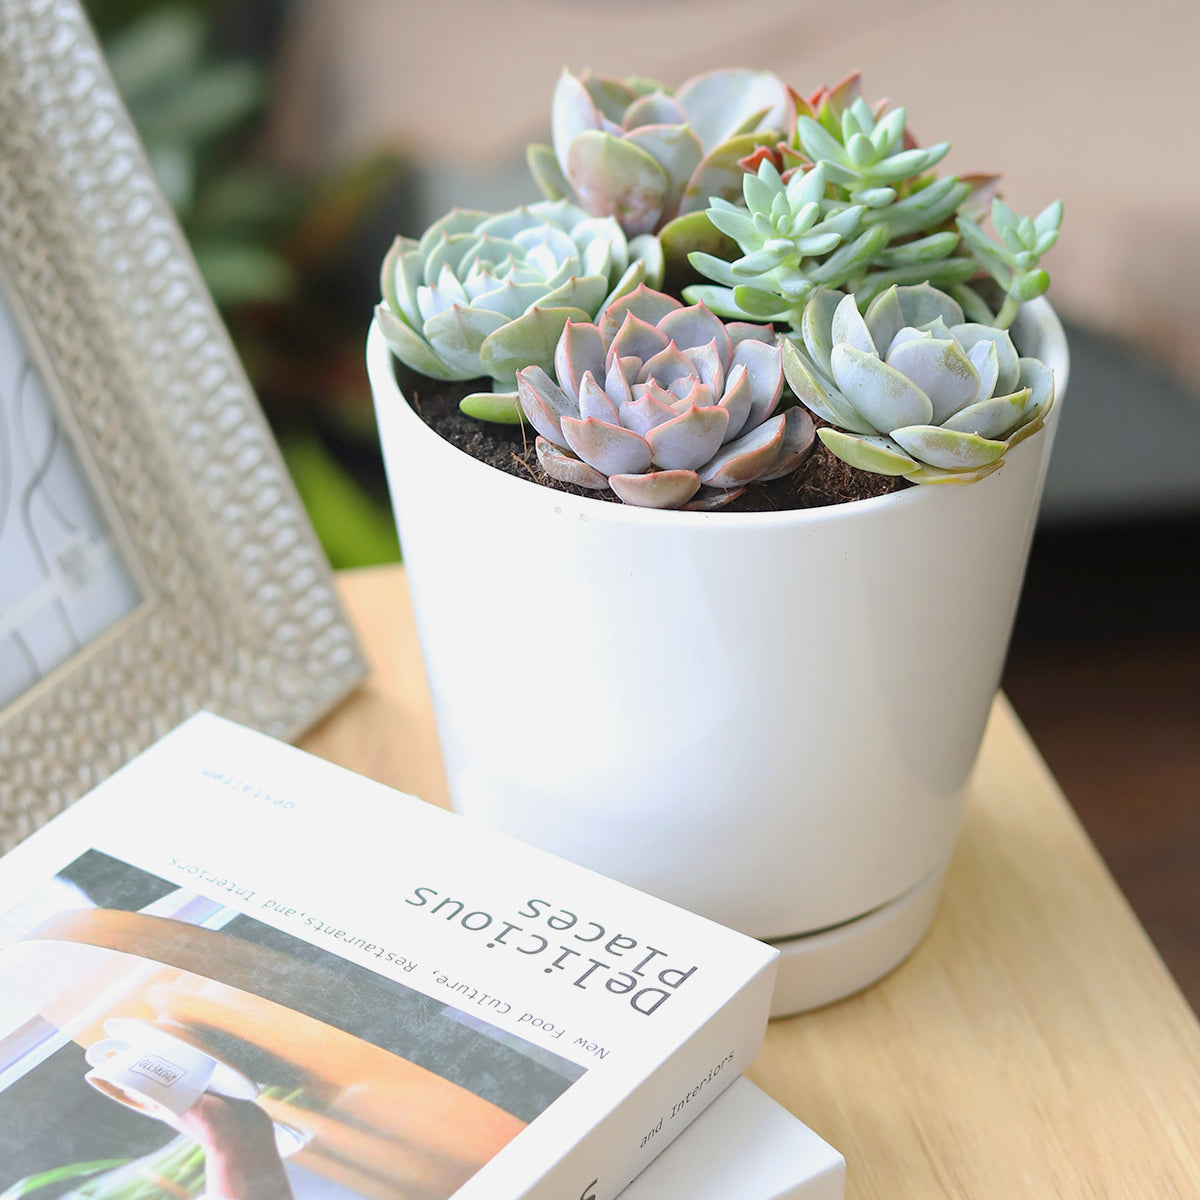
1104 668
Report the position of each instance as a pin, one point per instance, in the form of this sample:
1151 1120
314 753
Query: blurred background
296 138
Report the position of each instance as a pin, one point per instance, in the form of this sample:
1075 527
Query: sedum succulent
657 401
488 293
635 150
868 181
913 389
865 153
1013 261
793 241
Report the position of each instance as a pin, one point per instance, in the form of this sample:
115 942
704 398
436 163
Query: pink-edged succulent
666 405
645 154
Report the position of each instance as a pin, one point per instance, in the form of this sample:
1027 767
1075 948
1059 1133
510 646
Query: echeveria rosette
912 388
651 156
657 401
488 293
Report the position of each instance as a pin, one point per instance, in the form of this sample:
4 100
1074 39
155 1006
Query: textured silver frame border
240 613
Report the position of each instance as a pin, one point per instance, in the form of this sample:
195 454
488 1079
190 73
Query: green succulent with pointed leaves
852 170
793 241
489 293
868 155
1013 261
912 388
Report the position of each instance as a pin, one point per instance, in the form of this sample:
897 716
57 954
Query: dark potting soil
820 480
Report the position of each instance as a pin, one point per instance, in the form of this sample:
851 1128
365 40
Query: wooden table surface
1034 1046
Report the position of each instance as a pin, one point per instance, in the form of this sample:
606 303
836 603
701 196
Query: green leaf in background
242 272
156 49
291 261
201 107
353 528
33 1183
244 194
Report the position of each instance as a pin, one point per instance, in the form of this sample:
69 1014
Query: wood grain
1033 1046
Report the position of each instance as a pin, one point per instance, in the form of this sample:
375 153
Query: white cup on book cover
155 1074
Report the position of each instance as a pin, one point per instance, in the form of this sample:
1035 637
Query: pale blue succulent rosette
912 388
485 294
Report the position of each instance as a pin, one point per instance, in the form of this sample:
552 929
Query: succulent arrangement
837 261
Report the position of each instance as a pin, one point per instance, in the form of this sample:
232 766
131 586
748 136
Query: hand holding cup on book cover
151 1071
156 1074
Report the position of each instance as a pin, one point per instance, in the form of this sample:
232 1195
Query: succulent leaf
799 432
643 302
410 348
1008 365
572 112
654 108
611 449
874 453
500 408
614 177
544 403
941 369
957 478
1039 379
948 449
747 458
827 402
689 440
720 103
566 468
546 172
656 489
580 349
994 417
882 394
531 338
848 326
458 335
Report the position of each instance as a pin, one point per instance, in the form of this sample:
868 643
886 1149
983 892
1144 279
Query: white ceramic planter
766 718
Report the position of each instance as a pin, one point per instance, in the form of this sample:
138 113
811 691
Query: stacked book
239 971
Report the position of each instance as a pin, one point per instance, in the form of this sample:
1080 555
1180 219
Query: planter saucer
819 968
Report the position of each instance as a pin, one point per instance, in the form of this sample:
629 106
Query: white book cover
744 1147
236 970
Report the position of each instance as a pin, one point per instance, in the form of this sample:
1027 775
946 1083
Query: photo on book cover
156 1044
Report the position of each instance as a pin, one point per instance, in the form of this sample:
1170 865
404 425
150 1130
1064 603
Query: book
233 966
744 1146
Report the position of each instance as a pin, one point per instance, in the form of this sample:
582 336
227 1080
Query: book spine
652 1115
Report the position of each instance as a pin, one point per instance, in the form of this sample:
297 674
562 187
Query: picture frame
154 556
